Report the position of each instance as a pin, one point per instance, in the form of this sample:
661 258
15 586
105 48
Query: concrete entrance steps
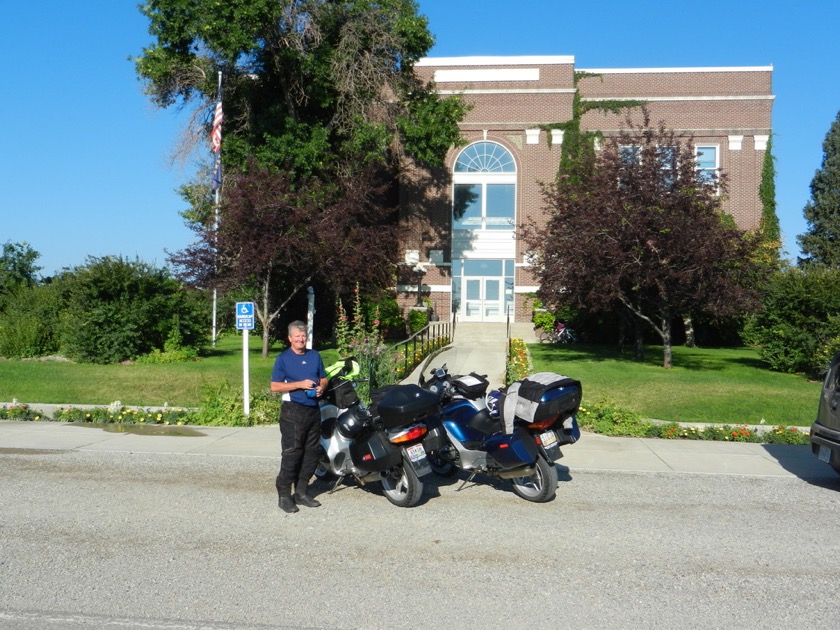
471 333
478 347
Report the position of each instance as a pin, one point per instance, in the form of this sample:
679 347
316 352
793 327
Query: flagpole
217 148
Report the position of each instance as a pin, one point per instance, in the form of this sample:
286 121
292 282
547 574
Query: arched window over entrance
485 157
484 195
483 220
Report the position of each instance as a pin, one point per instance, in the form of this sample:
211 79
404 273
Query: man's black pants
299 429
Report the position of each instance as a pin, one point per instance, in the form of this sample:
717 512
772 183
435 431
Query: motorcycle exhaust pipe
522 471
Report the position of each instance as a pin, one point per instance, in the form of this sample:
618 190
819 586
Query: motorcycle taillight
544 425
409 434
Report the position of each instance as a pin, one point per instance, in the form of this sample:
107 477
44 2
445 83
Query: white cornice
495 61
510 91
670 70
652 99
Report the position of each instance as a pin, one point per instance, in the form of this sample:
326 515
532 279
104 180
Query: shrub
29 326
543 320
798 329
607 418
119 310
386 310
418 319
173 351
223 405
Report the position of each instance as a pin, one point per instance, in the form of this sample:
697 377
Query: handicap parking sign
244 316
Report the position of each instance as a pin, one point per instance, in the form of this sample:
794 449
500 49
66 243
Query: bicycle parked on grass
560 333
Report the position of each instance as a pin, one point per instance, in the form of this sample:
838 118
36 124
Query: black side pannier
374 452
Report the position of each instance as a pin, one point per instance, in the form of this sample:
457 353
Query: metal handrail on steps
424 338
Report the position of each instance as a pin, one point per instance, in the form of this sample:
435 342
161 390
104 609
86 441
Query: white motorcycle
386 442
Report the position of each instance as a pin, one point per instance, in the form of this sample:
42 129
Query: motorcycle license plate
551 445
549 438
418 460
825 454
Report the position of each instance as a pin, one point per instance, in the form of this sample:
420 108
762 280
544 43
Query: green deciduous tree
313 91
17 269
820 244
642 232
312 84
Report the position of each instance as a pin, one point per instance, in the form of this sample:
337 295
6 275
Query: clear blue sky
85 159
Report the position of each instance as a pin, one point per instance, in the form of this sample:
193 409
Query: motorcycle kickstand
335 485
467 480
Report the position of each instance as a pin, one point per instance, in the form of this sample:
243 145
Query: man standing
300 376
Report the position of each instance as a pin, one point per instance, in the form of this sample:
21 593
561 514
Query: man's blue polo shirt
290 367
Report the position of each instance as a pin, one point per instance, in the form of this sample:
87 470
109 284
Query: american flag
216 143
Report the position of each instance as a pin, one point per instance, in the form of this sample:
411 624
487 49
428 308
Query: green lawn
705 385
730 386
178 384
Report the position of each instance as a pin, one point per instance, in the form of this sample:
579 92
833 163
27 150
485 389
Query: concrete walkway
592 453
478 349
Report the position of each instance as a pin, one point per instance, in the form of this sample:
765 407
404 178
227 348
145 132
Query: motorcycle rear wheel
539 487
402 486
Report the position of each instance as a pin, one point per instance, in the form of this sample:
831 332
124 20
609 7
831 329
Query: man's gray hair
297 324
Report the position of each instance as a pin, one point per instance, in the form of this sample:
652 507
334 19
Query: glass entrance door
483 300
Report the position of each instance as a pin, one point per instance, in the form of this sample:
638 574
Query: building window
706 158
707 162
485 157
484 189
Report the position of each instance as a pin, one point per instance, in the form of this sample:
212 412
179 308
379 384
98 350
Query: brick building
472 265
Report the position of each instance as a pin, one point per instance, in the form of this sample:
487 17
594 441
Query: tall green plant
770 230
363 339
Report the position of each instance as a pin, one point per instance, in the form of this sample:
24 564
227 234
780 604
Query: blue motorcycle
515 433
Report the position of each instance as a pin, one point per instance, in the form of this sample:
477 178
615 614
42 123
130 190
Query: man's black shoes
306 501
287 504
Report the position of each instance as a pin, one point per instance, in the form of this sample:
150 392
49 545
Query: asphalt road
105 540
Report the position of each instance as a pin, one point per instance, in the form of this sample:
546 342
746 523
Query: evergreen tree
771 233
821 243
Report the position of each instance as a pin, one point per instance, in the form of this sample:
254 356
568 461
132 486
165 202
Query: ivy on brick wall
577 144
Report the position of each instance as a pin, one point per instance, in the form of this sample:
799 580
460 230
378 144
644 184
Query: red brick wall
708 106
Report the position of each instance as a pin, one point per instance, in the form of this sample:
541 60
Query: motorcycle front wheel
322 472
402 486
440 466
539 487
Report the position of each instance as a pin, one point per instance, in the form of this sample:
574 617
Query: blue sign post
245 322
